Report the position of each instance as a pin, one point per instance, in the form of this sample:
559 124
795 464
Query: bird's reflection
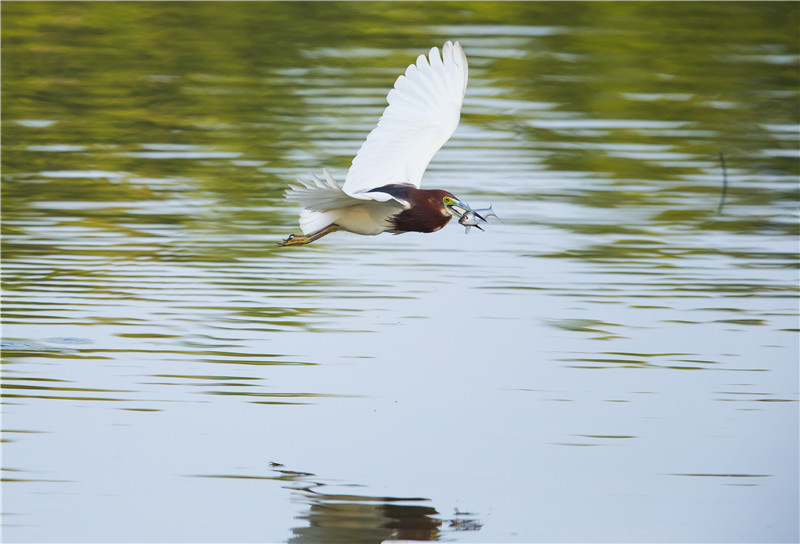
371 522
354 518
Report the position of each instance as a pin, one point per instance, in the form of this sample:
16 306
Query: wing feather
324 202
326 195
423 112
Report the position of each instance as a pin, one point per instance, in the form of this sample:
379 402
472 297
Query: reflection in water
365 520
355 519
337 517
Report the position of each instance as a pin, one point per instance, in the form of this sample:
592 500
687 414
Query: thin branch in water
724 183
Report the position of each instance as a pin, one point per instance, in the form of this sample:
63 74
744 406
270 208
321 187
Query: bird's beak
459 204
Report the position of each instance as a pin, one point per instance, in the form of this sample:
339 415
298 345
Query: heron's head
452 205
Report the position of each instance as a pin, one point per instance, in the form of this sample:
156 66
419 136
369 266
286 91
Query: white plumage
423 112
325 203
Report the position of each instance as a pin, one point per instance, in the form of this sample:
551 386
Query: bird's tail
319 199
316 194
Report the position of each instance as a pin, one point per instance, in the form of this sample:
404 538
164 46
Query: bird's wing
324 200
325 195
423 112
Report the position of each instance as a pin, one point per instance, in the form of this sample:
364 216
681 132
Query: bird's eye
448 200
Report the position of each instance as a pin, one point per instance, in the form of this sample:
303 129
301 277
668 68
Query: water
616 361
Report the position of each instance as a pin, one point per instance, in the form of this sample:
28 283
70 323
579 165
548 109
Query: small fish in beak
472 218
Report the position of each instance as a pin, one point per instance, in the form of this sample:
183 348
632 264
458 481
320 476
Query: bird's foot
300 239
294 240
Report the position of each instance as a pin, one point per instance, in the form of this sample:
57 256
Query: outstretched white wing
423 112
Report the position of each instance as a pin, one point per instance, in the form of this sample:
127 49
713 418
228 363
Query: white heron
381 192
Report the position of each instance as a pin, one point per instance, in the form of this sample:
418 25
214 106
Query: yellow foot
299 240
294 240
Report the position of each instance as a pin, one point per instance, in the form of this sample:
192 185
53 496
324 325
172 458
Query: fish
472 218
487 212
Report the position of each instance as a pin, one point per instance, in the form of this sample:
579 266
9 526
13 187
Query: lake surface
617 361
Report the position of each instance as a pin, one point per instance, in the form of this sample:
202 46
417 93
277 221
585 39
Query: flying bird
381 192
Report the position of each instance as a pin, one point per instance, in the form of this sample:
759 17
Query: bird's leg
299 240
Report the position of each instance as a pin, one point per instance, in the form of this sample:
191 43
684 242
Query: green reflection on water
639 91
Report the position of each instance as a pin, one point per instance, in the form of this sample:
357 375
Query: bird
381 192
